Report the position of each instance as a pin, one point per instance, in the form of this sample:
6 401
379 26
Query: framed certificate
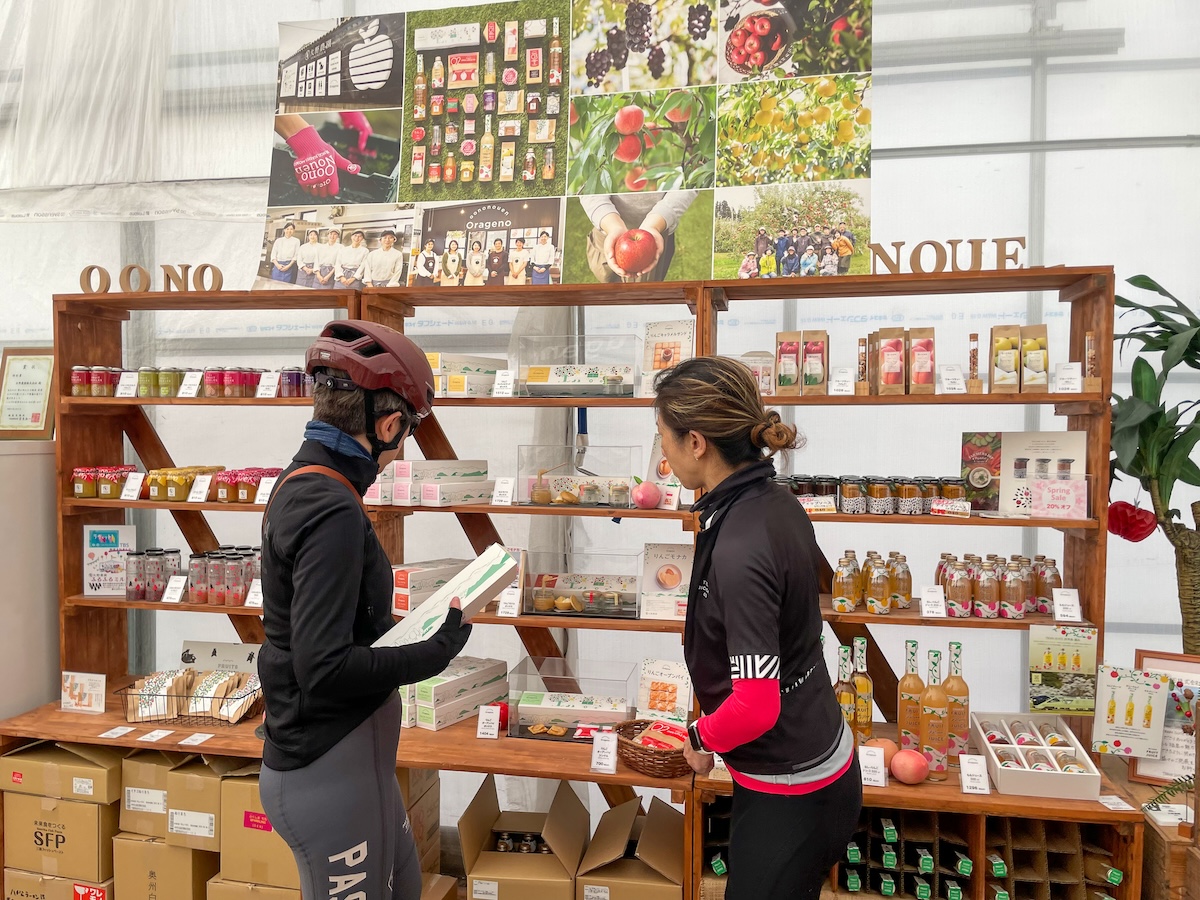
26 385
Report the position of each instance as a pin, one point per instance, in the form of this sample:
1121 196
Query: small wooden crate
1191 889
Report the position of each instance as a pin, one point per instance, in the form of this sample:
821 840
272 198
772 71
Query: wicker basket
648 761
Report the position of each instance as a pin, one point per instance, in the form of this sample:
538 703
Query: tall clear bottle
865 705
487 150
902 594
554 73
844 690
853 557
959 591
959 697
908 700
420 91
935 721
845 587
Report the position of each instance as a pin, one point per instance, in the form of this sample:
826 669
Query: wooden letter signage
933 256
206 279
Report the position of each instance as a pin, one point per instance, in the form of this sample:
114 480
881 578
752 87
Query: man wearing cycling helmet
333 712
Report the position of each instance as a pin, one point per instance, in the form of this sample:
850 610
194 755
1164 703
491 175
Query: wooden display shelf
587 623
79 600
912 616
120 404
947 796
455 748
633 294
984 521
1077 403
121 301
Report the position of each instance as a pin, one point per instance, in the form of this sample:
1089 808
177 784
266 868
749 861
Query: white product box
475 586
379 494
453 493
546 708
441 470
666 576
406 493
466 385
1058 785
464 675
435 718
388 475
428 575
408 706
461 364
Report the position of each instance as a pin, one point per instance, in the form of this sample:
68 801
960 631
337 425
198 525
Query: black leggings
782 847
343 817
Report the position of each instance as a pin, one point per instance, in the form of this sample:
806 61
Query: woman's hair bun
773 435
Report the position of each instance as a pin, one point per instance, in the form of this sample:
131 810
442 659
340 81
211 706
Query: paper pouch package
475 586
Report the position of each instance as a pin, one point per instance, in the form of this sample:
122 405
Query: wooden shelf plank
947 796
598 623
912 616
1050 278
298 298
975 520
79 600
1093 403
641 294
452 749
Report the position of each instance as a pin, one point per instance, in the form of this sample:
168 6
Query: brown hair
717 397
346 410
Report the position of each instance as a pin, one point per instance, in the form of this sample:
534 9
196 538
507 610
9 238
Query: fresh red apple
777 43
738 38
647 494
762 27
635 251
629 119
910 767
629 149
634 180
758 59
753 45
738 56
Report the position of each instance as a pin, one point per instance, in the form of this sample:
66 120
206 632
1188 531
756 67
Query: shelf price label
503 493
974 774
841 382
958 509
506 380
175 588
1068 378
264 490
268 386
127 386
254 596
199 491
195 740
818 506
933 602
1066 605
189 388
133 486
510 603
952 380
604 752
489 723
155 736
870 762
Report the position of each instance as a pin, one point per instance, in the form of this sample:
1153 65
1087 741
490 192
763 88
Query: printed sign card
1131 708
1062 668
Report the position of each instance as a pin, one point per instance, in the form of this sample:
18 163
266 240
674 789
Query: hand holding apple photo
633 251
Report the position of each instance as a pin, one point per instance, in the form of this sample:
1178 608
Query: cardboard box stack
634 857
458 692
414 583
60 816
421 790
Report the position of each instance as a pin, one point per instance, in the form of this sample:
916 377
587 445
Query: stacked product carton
414 583
456 694
432 482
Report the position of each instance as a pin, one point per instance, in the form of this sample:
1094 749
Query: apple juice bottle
908 701
959 697
847 696
935 715
865 707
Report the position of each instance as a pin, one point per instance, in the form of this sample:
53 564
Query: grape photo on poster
619 46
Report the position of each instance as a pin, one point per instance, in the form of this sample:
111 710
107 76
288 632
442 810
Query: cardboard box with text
251 849
147 868
194 802
144 794
67 771
415 782
652 871
59 837
220 889
20 885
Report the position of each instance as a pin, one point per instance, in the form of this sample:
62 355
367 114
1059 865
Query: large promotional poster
573 141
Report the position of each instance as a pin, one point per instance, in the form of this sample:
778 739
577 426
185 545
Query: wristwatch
694 737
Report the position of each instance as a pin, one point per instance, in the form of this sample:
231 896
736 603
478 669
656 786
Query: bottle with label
1099 869
852 557
1148 711
489 68
548 164
901 583
1129 710
435 141
847 696
959 591
1110 715
941 566
449 169
959 697
437 75
487 150
908 701
554 74
987 592
879 591
865 715
1062 659
1012 593
935 720
529 172
1051 579
420 91
1030 585
845 587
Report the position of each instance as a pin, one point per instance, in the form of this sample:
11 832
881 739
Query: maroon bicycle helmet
375 357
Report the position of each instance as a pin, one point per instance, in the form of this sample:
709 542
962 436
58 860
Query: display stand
91 432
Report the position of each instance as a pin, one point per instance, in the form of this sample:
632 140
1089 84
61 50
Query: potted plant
1155 444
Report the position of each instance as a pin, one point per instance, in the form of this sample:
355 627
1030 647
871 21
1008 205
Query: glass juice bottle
853 558
554 74
845 587
879 590
959 697
901 584
941 567
1030 584
865 707
1012 592
935 715
420 91
487 150
847 696
908 701
1051 579
958 591
987 592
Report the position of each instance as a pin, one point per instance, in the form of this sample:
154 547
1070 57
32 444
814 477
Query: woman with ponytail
752 640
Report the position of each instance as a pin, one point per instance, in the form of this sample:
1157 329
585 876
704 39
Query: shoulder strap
308 470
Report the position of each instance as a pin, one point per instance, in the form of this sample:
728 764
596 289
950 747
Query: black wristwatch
694 737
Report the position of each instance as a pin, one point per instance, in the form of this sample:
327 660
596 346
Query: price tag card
841 382
1068 378
268 386
190 386
113 733
870 761
176 586
155 736
127 386
195 740
83 692
133 486
254 596
1115 803
933 602
264 490
489 722
199 491
1066 605
502 494
604 752
510 603
958 509
952 380
818 506
506 380
974 774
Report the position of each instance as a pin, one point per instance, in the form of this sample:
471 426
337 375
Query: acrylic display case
588 583
579 365
551 700
549 474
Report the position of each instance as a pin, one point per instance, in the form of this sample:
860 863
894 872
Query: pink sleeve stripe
746 715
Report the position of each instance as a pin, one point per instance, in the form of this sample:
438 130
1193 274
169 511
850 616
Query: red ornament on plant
1128 521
